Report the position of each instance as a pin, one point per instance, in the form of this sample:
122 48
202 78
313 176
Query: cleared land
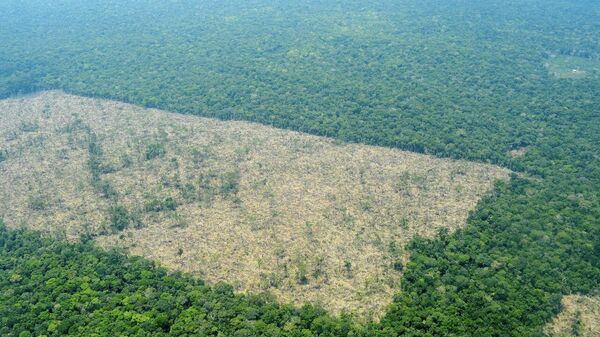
303 217
572 67
580 317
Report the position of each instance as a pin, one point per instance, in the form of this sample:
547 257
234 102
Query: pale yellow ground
343 213
581 311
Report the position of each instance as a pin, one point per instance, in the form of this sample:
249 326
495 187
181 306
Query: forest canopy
510 82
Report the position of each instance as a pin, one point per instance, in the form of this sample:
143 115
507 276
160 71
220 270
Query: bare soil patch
303 217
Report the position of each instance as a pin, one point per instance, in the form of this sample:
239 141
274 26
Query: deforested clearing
580 316
306 218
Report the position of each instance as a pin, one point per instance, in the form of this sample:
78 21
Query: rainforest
299 168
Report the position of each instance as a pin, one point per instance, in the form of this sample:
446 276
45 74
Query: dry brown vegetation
580 317
303 217
519 152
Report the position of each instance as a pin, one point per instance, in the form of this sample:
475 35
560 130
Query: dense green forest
484 80
48 287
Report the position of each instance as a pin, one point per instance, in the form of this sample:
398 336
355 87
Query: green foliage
94 149
462 79
188 192
29 127
55 288
576 325
154 150
169 204
229 183
119 218
302 273
102 186
214 184
126 161
38 203
492 269
201 155
155 205
318 269
438 87
348 267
